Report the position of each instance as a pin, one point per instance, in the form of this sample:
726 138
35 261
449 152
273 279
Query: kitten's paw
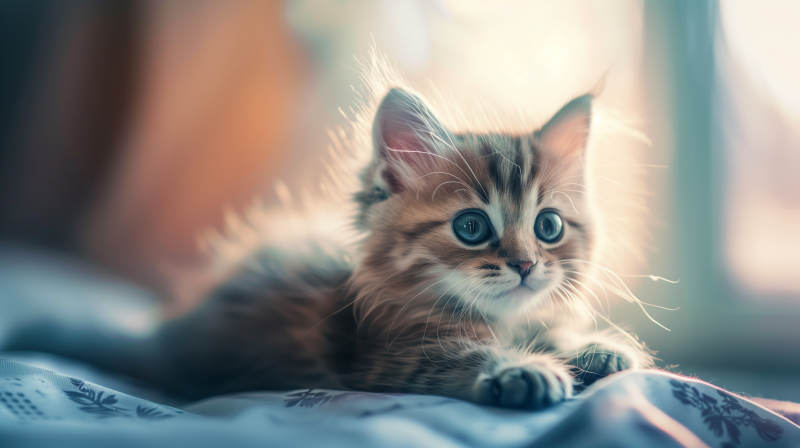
531 386
599 360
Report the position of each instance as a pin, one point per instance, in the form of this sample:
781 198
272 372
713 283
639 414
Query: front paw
530 386
599 360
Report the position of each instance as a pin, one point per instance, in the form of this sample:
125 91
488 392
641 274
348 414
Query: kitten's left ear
568 131
407 139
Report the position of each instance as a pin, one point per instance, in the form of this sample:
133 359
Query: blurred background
129 127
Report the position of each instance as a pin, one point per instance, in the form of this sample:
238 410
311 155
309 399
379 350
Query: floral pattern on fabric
727 416
104 405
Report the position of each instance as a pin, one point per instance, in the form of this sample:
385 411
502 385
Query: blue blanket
41 408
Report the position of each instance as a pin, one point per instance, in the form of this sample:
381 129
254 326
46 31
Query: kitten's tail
134 356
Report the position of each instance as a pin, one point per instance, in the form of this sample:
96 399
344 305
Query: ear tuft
405 134
568 131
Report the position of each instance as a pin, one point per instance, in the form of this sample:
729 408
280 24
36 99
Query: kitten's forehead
507 176
503 168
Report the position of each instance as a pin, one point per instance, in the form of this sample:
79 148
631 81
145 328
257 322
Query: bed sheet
41 408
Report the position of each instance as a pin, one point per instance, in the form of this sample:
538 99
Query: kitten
469 247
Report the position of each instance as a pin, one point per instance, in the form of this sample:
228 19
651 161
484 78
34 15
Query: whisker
444 307
427 321
417 295
654 278
618 287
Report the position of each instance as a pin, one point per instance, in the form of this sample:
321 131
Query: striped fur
420 311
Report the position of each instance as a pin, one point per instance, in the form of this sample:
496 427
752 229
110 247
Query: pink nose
524 267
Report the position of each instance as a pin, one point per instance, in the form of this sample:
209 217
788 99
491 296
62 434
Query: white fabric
634 409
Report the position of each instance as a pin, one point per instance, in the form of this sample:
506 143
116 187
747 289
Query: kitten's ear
405 135
568 131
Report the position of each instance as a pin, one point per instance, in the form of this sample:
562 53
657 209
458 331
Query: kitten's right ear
405 135
568 131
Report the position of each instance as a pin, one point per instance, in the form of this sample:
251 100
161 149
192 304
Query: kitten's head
490 222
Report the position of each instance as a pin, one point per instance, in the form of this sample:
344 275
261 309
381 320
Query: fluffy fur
405 305
420 311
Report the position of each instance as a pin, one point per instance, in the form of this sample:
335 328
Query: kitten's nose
524 267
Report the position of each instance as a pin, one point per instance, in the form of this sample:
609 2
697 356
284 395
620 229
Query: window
759 113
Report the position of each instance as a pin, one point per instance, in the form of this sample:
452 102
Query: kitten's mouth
538 285
521 294
522 287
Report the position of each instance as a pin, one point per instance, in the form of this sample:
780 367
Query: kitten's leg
484 374
600 355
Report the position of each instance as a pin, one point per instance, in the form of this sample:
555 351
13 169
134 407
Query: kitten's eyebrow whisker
590 192
577 184
496 152
445 183
451 175
449 161
452 145
613 181
570 201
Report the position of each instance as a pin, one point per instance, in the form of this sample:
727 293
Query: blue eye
472 227
548 227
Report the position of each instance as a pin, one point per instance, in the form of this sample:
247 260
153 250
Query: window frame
717 323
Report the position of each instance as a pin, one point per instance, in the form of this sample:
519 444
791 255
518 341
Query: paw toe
531 387
600 364
516 386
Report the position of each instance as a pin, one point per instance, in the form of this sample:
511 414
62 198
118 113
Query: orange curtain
218 85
